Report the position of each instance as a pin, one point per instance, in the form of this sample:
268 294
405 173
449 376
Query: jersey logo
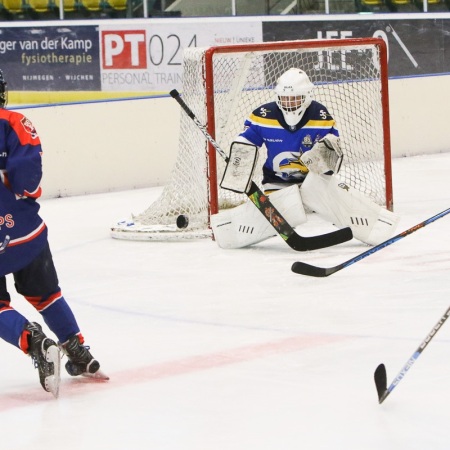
29 127
307 141
292 168
264 111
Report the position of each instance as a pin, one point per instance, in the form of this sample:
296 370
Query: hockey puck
182 221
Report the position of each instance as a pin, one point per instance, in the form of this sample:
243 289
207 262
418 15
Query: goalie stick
314 271
265 206
380 372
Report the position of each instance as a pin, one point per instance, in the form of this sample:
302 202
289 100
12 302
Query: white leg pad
245 225
345 206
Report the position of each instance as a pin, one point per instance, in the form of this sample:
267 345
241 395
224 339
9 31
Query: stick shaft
395 238
175 94
315 271
415 355
4 244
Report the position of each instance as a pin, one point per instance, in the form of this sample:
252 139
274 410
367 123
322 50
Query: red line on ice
191 364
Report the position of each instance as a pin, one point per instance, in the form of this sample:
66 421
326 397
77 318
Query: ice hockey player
303 151
25 254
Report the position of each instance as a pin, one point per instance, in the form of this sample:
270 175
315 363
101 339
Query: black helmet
3 91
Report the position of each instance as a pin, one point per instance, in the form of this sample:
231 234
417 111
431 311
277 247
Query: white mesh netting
348 82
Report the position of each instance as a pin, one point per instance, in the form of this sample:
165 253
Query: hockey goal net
223 85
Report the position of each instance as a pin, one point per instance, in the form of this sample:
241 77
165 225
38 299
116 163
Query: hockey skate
46 357
80 361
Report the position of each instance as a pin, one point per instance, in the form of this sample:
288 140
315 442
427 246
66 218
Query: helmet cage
294 95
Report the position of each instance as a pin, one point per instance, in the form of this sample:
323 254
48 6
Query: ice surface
212 349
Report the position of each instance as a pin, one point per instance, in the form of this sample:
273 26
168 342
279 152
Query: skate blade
99 375
52 382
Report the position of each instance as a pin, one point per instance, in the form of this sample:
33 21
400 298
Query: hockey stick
314 271
380 372
265 206
4 244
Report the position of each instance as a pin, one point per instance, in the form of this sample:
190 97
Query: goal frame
286 45
223 84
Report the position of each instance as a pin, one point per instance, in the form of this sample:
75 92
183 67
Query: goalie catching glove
325 156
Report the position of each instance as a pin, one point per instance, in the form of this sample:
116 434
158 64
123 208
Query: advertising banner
146 56
149 57
46 58
416 47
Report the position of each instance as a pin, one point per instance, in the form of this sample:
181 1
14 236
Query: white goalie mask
294 95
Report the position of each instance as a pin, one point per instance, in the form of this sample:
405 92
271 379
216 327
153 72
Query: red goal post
224 84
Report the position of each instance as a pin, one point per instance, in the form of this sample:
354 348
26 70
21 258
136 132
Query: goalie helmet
3 91
294 95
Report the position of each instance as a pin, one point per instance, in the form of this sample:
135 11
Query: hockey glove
325 156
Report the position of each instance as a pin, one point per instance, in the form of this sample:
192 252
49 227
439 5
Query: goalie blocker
240 167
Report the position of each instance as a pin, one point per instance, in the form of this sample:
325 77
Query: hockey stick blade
380 377
306 243
380 372
265 206
315 271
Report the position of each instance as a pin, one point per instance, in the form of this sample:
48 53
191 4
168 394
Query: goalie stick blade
302 243
285 230
381 382
313 271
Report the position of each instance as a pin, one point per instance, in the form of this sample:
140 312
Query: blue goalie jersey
284 143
